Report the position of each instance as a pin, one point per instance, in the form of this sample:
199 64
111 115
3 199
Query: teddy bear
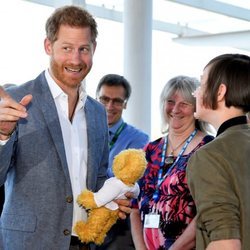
128 166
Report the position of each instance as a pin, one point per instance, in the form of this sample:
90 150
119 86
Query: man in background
113 91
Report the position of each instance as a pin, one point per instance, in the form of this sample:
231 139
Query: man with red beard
53 141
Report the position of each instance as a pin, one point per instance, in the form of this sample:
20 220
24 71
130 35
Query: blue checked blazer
38 207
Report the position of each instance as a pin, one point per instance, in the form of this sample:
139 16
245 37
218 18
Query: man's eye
84 50
67 49
118 101
104 99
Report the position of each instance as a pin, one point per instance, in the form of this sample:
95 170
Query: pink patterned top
175 205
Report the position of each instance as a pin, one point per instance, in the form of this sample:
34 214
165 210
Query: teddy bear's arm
86 199
111 190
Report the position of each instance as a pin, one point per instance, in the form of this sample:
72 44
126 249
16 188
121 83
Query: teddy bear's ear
129 165
119 163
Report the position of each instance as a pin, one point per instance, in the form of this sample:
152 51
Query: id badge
152 220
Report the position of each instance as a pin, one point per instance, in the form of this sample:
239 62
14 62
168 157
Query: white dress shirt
75 141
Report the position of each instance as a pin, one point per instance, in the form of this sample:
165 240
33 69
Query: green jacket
219 179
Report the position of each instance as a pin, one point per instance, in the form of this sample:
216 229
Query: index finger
129 195
8 102
3 93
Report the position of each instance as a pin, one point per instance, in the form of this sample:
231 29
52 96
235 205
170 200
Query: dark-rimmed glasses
117 102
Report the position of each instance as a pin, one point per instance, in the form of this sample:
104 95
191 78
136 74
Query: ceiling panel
191 21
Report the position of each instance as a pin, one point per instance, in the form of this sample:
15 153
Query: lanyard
117 133
163 158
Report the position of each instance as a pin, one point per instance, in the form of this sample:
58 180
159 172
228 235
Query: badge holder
152 220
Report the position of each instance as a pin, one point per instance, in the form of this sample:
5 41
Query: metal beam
185 34
49 3
217 7
176 29
236 39
117 16
57 3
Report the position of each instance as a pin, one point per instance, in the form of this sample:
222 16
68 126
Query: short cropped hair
186 86
233 70
72 16
114 80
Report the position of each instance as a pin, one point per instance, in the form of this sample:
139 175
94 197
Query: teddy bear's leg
92 228
86 231
79 229
113 216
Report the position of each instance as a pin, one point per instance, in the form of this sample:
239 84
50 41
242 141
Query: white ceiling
193 22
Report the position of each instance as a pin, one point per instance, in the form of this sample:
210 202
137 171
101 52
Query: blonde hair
186 86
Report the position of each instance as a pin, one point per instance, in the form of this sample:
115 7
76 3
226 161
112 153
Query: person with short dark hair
219 173
113 91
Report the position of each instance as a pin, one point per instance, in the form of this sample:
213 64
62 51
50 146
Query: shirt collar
56 91
114 128
231 122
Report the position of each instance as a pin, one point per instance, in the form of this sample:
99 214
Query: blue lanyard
117 133
163 158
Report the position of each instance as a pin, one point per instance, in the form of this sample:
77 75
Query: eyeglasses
117 102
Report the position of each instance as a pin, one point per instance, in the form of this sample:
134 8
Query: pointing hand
10 112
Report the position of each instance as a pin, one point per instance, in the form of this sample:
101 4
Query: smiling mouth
73 70
176 117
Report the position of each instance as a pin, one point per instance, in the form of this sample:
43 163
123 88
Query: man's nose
76 57
110 104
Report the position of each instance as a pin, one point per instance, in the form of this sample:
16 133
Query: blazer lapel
91 134
47 105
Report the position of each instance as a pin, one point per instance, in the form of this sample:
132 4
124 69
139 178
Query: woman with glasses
164 215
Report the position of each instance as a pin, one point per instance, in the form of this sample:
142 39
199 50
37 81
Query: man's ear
47 46
221 92
125 105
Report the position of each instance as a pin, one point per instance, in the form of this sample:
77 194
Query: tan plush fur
128 166
86 198
99 222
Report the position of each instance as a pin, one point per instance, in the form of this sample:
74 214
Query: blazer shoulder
29 87
94 104
136 133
